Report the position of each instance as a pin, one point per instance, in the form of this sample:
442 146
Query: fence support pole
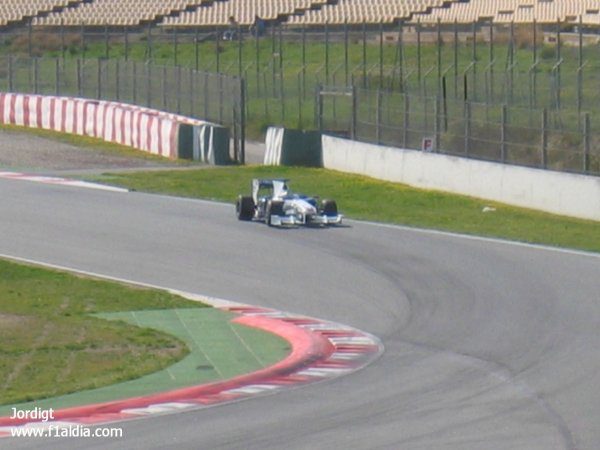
178 88
10 73
82 40
405 121
319 99
467 120
196 49
380 53
364 53
378 117
79 87
134 81
346 51
436 123
117 79
106 46
35 76
164 88
57 76
455 61
587 142
126 31
354 113
503 119
29 40
148 86
544 149
242 107
474 60
419 53
327 52
99 78
63 48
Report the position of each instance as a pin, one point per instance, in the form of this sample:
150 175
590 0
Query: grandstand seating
116 12
370 11
182 13
17 10
243 11
517 11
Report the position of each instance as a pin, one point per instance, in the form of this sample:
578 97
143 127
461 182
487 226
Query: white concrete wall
554 192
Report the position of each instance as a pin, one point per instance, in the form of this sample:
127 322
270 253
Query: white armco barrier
141 128
554 192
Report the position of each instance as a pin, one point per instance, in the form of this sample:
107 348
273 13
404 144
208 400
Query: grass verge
369 199
50 344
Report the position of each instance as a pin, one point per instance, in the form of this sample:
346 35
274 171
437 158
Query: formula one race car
273 203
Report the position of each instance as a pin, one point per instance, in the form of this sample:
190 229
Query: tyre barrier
149 130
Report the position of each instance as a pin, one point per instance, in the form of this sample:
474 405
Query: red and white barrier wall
145 129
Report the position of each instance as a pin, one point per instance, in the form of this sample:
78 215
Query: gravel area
28 153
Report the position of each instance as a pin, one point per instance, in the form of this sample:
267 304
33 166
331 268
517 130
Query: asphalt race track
488 345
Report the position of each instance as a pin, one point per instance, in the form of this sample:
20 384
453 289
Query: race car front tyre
244 208
274 208
329 208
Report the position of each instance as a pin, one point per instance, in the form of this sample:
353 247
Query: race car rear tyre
244 208
274 208
329 208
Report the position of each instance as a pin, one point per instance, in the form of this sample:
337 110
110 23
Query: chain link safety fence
217 98
412 68
513 135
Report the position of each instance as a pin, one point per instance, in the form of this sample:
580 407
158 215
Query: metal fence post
134 81
327 52
242 107
126 31
192 91
405 121
178 88
62 39
79 87
346 65
206 97
117 80
10 73
474 61
503 130
418 25
319 100
378 116
455 59
57 76
98 79
175 46
164 88
544 149
35 76
436 123
29 40
364 53
148 85
467 120
380 53
82 39
106 46
354 114
196 49
587 142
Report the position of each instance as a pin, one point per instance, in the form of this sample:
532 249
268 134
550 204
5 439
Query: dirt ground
28 153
